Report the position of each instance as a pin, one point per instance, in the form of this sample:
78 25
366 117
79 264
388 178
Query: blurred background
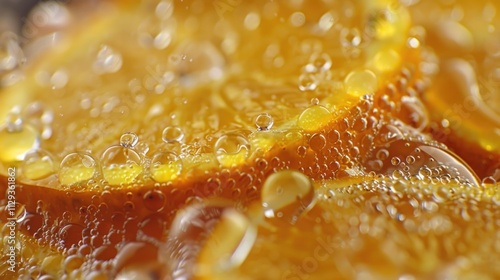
13 13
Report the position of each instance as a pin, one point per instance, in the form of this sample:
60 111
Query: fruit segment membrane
230 139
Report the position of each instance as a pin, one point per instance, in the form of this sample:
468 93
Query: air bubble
327 21
107 61
120 165
17 139
314 117
165 166
37 164
232 149
154 200
164 9
207 237
77 167
59 79
488 181
286 195
128 140
297 19
252 21
350 37
361 82
264 122
321 62
395 161
172 134
317 142
308 82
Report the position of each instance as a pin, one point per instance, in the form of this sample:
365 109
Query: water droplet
232 149
308 82
59 79
321 62
164 9
208 237
361 82
297 19
350 37
77 167
415 111
313 118
287 194
395 161
252 21
17 139
37 164
172 134
165 166
386 60
327 20
488 181
264 122
317 142
154 200
129 140
120 165
11 54
162 40
107 61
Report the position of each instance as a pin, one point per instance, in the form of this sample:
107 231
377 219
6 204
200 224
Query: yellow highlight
386 60
314 118
38 169
229 160
75 174
15 145
361 82
166 172
121 174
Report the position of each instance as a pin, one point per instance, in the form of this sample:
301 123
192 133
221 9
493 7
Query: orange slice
463 99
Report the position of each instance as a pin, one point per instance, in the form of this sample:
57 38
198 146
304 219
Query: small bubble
264 122
321 62
410 159
59 79
361 82
128 140
286 195
395 161
350 37
107 61
317 142
154 200
38 164
297 19
172 134
120 165
308 82
162 40
314 101
252 21
314 117
488 181
327 21
232 149
164 9
17 139
77 167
